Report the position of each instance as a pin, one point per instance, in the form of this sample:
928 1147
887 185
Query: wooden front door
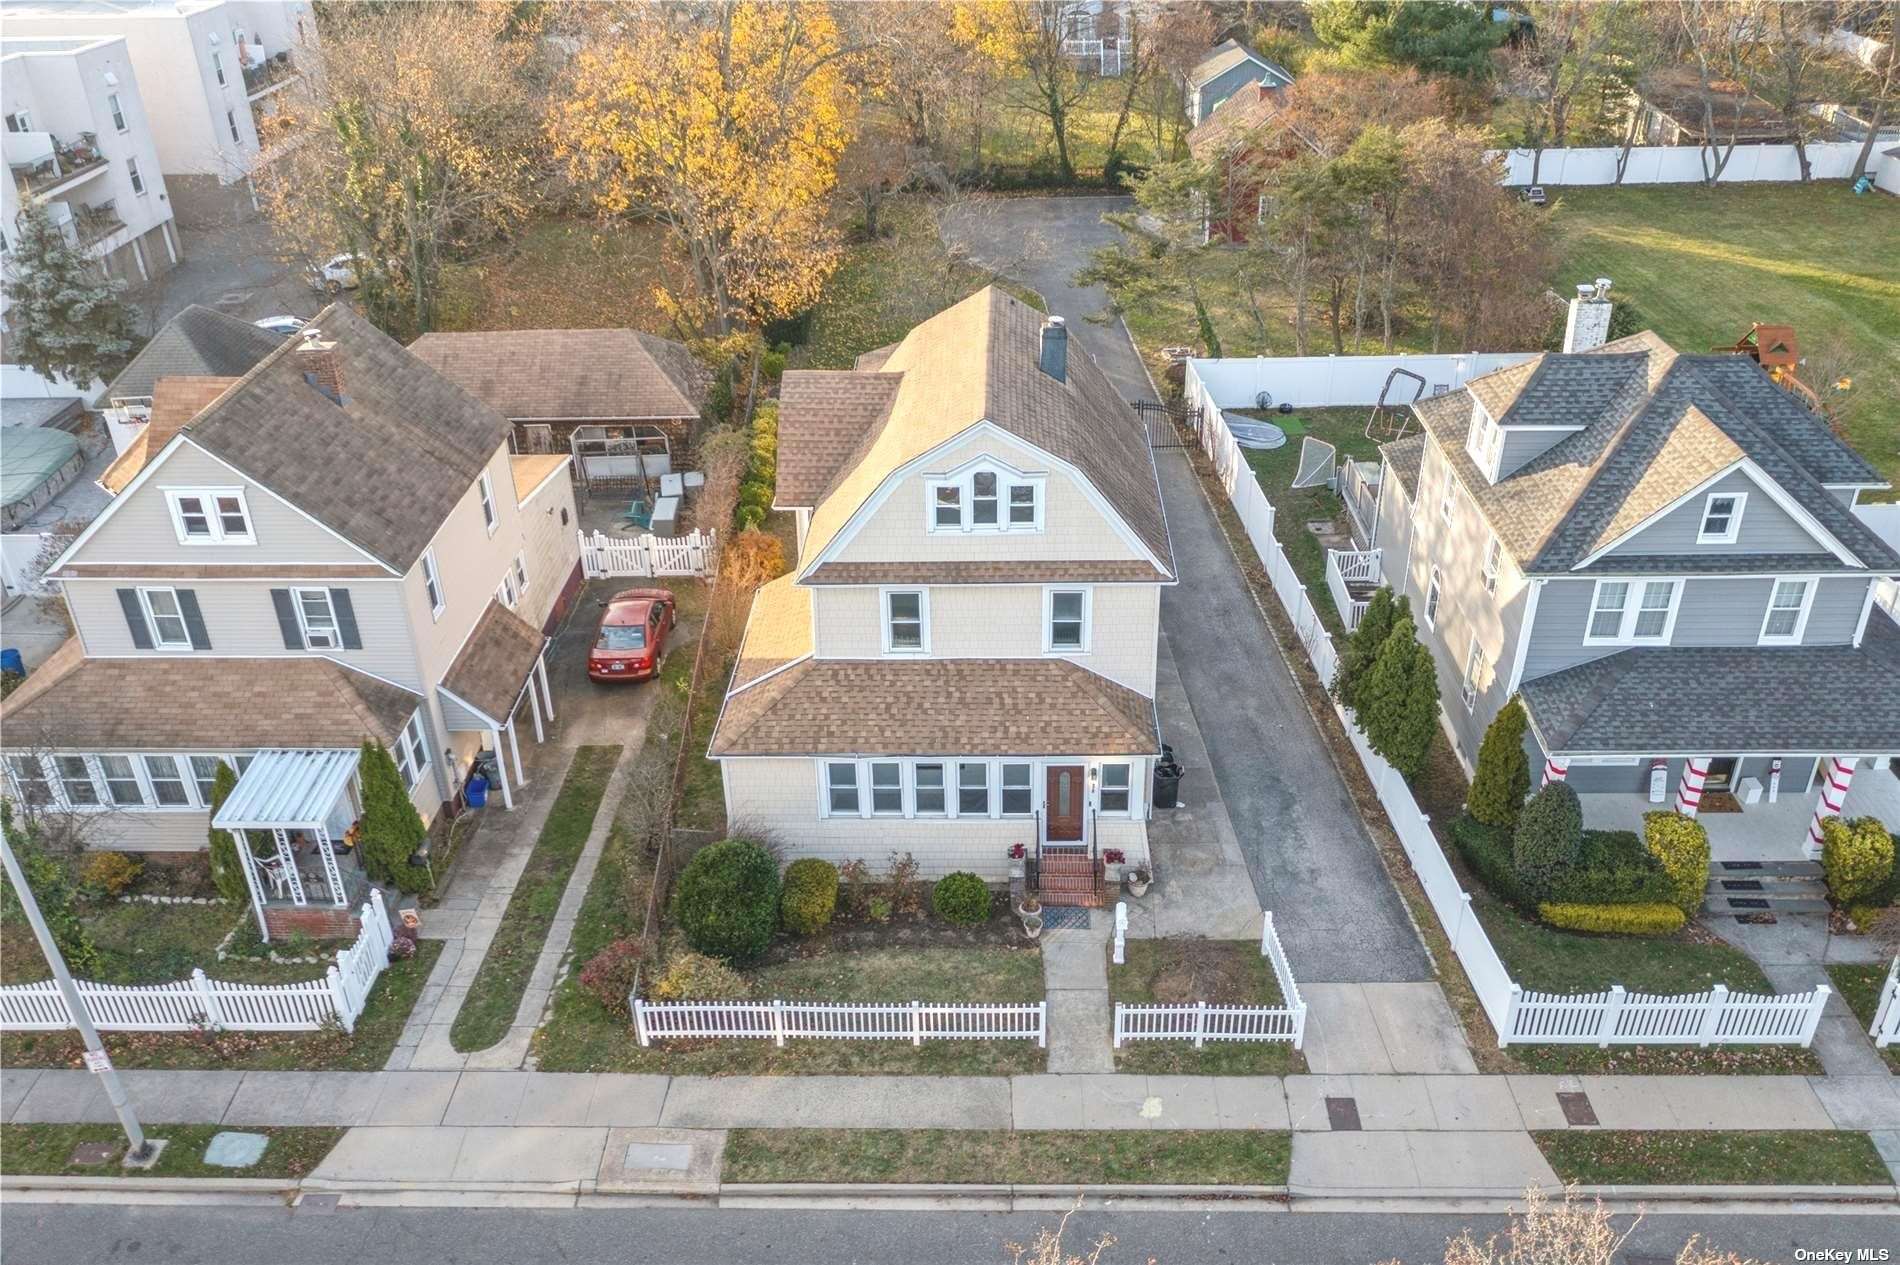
1062 803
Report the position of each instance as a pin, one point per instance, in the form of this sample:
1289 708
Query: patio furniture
637 514
666 513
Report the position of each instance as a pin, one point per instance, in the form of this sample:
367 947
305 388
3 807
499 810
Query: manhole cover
1577 1108
90 1153
674 1157
1343 1113
236 1150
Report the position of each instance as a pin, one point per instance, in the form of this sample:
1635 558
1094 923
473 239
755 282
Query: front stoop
1765 887
1070 878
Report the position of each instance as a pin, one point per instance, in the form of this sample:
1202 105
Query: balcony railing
267 72
1106 54
1359 488
1351 578
95 222
55 162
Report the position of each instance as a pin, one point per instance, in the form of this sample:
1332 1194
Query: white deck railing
1198 1022
1359 488
1345 568
1886 1026
693 554
781 1021
189 1005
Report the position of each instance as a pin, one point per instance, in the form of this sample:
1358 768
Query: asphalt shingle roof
494 663
570 373
197 343
1228 54
824 415
1662 700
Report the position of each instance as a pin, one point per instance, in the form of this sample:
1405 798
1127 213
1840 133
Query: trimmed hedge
1487 851
1549 838
809 897
1856 859
1614 868
726 900
1651 919
961 898
1681 847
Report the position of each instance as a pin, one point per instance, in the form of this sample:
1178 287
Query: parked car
335 273
631 639
284 325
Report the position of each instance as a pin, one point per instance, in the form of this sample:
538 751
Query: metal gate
1168 425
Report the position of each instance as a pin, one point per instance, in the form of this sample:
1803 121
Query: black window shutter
287 619
135 619
194 619
345 619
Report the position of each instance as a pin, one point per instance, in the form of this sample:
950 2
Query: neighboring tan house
1228 67
335 546
199 342
1241 142
1658 552
621 402
964 657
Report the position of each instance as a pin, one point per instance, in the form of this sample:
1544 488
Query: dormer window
1721 518
210 516
1484 441
986 498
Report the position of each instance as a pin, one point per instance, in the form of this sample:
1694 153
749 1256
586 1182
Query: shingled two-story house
1658 551
963 658
335 545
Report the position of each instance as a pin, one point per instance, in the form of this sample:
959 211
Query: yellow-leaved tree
725 121
1025 38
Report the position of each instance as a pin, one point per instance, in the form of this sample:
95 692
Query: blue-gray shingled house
1659 552
1228 67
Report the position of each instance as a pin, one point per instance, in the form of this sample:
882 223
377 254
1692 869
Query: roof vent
1055 349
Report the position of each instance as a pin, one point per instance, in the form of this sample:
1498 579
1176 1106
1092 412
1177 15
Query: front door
1062 805
1721 774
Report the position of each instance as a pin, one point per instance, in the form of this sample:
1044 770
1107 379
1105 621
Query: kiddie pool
1251 434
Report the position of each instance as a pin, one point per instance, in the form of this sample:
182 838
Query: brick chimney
1054 360
1588 324
321 366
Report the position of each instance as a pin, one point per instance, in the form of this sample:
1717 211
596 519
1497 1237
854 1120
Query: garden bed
1219 972
140 942
1249 1157
1695 1157
46 1150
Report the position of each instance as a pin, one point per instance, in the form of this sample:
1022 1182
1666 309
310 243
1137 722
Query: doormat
1720 802
1064 917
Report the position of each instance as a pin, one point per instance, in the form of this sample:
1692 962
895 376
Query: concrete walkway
1792 952
1075 981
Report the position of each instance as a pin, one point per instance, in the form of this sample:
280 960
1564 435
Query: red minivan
632 635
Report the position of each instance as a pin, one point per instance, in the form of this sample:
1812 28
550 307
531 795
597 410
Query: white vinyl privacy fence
1609 1018
197 1003
782 1021
1689 164
1323 381
1198 1022
1886 1026
616 556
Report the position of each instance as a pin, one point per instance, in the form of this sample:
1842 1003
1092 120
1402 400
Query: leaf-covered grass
489 1008
46 1149
1219 972
144 943
1859 986
366 1050
567 273
993 1156
1701 265
1693 1157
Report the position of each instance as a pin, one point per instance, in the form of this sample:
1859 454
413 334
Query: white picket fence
782 1021
1518 1017
1198 1022
192 1004
692 554
1885 1029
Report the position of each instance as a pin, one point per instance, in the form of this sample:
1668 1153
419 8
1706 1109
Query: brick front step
1070 878
319 922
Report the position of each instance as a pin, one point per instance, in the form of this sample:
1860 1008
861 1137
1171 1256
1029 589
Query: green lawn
1859 986
143 943
1689 1157
47 1149
1219 972
993 1156
1701 265
492 999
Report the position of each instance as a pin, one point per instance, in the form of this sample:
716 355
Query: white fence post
1712 1014
1882 1029
208 1001
345 1013
1200 1024
916 1023
1118 1026
1042 1025
778 1023
1508 1028
1612 1015
640 1022
1813 1019
1121 932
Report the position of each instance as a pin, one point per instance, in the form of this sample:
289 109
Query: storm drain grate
1343 1114
1577 1108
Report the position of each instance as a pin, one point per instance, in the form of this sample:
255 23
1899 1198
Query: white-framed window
1449 501
132 174
486 487
1019 789
1493 559
1025 506
985 501
30 783
986 498
1116 793
317 617
973 788
167 781
217 67
1721 518
166 618
505 591
927 789
521 573
204 769
210 516
432 583
906 621
412 753
116 110
841 787
887 788
1629 612
122 782
1483 440
1787 616
946 502
230 121
1474 674
1065 621
1433 591
76 786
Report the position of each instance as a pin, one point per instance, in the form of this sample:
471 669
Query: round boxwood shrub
726 899
1681 847
810 896
1856 858
961 898
1549 836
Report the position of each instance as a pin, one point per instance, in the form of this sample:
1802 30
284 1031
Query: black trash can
1167 788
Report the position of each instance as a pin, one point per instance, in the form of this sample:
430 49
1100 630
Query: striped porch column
1834 783
1556 767
1689 794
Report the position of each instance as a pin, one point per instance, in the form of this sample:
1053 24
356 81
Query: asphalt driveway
1308 853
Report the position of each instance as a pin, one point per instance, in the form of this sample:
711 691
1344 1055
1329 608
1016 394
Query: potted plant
1029 907
1032 925
1136 879
1017 854
1112 861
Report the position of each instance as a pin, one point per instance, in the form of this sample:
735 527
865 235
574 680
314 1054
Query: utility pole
96 1058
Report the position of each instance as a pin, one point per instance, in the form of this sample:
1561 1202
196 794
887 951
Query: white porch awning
288 790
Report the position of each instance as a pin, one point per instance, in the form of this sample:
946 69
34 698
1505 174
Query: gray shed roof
571 373
197 343
1228 54
1681 700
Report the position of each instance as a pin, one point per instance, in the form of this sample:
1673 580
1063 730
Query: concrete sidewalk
1395 1103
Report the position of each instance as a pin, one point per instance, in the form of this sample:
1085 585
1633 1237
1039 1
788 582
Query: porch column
1689 793
514 752
247 862
534 708
288 859
501 769
541 670
1834 783
1556 768
330 871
